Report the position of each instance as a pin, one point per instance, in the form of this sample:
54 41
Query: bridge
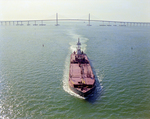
101 22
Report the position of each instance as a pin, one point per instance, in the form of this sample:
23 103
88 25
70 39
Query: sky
115 10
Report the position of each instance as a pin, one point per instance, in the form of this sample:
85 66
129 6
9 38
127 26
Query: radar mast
78 48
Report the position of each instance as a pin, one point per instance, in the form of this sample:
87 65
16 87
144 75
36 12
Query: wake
72 48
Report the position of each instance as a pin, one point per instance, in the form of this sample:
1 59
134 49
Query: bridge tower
89 21
56 20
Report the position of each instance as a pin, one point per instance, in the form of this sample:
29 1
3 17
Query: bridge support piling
109 24
124 24
28 24
120 24
114 24
127 23
17 23
21 24
102 24
42 23
130 24
35 24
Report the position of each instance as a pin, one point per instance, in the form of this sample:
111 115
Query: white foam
65 79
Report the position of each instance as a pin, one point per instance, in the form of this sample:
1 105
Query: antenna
78 43
78 48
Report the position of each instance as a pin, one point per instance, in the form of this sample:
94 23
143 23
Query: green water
34 66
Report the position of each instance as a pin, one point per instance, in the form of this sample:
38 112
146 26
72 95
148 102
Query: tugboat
81 77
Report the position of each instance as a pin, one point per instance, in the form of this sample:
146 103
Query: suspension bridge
89 20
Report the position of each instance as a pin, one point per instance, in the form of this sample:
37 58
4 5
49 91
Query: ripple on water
34 79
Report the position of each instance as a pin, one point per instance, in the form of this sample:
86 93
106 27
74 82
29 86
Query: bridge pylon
89 21
56 20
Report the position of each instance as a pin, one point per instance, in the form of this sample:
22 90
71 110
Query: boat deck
81 72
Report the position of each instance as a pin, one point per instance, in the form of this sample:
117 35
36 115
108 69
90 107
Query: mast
78 48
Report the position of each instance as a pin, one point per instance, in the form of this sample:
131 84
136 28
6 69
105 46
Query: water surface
34 66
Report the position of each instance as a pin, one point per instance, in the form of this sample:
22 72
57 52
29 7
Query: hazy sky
121 10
